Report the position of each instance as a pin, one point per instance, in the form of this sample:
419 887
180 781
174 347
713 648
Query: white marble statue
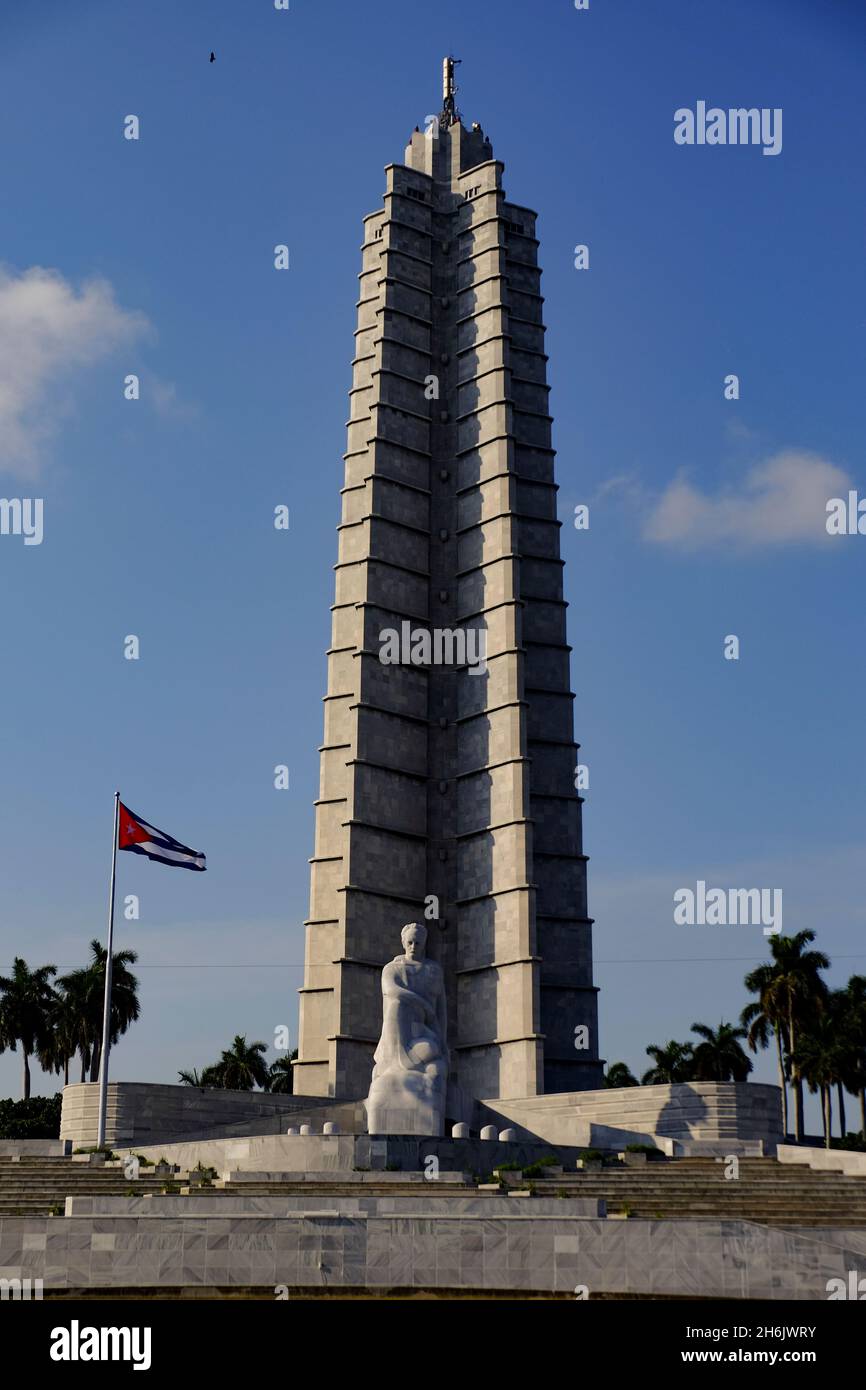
407 1090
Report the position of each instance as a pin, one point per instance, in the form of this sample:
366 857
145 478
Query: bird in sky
213 57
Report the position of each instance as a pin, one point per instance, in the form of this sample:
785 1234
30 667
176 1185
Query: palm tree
25 1000
842 1026
847 1019
209 1076
243 1066
791 993
87 987
719 1057
61 1042
800 979
6 1039
674 1062
85 1014
281 1075
82 989
856 1081
820 1058
618 1075
762 1021
125 1007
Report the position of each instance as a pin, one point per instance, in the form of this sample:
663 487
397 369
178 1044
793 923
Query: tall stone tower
447 793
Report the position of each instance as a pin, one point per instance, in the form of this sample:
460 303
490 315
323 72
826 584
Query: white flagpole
106 1013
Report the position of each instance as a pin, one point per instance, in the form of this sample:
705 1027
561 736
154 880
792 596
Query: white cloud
49 331
624 487
165 400
781 501
739 430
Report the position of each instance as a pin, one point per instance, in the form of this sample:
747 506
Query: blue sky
706 514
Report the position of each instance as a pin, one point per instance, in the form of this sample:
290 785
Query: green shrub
591 1155
36 1118
650 1150
854 1143
536 1169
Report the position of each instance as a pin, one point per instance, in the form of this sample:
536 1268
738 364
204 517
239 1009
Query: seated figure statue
407 1090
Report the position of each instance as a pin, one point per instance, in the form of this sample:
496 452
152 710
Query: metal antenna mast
450 114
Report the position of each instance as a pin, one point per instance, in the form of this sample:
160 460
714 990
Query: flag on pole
136 835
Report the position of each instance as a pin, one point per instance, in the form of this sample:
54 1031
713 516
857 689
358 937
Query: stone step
707 1193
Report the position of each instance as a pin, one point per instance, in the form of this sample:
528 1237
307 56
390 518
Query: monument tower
447 786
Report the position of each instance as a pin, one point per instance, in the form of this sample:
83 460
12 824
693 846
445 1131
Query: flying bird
213 57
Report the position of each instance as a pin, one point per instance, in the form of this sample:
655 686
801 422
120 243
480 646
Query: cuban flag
136 835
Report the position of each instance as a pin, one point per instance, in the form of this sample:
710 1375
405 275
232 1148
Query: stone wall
140 1113
443 1244
824 1160
707 1112
698 1110
33 1148
437 781
329 1153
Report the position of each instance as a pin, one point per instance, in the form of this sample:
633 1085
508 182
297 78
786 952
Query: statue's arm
395 990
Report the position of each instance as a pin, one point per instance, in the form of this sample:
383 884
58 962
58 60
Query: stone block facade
446 792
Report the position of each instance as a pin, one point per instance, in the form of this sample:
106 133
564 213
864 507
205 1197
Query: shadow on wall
684 1113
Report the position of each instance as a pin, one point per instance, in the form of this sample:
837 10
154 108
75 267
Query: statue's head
414 939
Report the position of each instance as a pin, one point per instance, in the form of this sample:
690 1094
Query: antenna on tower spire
450 114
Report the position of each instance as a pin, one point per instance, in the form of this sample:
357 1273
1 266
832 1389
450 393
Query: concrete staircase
686 1189
692 1189
35 1186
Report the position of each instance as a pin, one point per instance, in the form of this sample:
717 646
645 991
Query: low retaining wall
346 1152
430 1248
714 1111
140 1113
824 1160
418 1204
33 1148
